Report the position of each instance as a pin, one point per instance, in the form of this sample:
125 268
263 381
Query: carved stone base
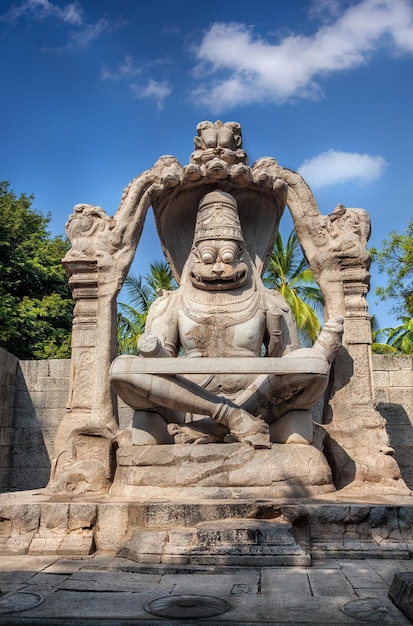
241 542
232 470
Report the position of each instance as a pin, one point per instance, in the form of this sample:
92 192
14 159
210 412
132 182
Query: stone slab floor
114 592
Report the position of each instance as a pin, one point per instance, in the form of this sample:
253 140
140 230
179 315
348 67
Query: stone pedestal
224 471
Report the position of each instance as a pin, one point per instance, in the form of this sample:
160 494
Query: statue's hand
329 340
150 346
334 325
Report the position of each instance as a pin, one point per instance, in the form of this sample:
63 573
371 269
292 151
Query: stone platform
265 532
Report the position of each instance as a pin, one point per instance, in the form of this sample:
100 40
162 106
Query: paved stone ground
114 592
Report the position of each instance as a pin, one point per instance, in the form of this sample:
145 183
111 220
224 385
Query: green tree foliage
141 291
379 343
397 340
35 300
288 272
401 337
396 260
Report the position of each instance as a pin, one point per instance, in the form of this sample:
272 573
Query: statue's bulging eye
210 137
226 138
228 252
207 256
227 256
222 251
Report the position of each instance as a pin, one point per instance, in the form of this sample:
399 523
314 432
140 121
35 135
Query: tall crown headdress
218 218
218 161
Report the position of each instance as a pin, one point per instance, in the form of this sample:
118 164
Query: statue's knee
148 428
293 427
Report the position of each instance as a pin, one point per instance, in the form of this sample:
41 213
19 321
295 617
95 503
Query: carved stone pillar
335 245
85 437
358 445
97 263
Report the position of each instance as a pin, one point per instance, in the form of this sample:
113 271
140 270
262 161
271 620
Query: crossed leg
148 391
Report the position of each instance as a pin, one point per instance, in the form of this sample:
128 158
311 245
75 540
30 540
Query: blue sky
95 91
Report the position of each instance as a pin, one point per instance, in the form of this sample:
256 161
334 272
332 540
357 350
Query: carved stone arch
260 207
310 227
102 251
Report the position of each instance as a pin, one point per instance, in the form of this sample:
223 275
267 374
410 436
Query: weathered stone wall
8 370
33 402
393 381
40 401
33 397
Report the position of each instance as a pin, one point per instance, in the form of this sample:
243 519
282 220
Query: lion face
219 265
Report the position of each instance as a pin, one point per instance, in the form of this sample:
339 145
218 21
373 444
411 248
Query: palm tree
288 272
379 343
401 337
131 325
141 291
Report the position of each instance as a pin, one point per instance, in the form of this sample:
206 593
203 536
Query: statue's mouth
222 283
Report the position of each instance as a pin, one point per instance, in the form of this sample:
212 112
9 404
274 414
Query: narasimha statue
222 310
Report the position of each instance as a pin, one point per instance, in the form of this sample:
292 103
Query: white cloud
80 34
72 14
154 89
334 167
42 9
324 9
128 70
124 70
259 71
90 32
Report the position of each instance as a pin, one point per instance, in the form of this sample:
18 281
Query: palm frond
382 348
141 292
401 337
289 273
160 277
129 332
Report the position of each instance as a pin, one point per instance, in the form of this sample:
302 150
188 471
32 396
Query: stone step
220 542
401 593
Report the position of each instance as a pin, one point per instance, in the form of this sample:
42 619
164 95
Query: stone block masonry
33 397
8 371
40 403
393 382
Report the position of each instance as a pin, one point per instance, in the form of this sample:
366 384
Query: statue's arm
280 325
161 337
